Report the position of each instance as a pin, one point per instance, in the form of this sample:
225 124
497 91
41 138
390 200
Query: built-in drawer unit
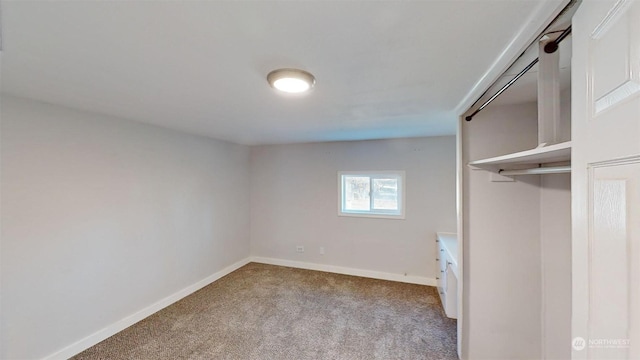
447 272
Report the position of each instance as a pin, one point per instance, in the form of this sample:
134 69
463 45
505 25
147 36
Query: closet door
606 180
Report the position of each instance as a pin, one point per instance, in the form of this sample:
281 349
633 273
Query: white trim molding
420 280
124 323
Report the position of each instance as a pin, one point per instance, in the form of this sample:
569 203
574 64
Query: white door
606 180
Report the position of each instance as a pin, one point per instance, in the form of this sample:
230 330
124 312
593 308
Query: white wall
295 202
502 274
555 237
102 217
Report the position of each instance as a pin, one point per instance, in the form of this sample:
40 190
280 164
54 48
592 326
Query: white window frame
398 215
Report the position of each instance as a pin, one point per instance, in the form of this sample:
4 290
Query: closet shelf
556 153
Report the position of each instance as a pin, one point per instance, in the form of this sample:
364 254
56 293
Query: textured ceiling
383 69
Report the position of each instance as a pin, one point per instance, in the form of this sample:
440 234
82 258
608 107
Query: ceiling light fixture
291 80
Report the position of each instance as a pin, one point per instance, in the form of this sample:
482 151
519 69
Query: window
372 194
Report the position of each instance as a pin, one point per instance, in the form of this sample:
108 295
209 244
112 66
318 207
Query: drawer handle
437 278
437 259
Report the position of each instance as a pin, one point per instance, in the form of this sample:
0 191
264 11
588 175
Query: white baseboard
120 325
420 280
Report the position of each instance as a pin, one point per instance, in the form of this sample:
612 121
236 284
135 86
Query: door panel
606 180
613 70
614 249
610 55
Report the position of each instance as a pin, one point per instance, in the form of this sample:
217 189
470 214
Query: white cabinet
447 272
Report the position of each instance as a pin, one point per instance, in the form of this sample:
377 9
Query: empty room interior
320 179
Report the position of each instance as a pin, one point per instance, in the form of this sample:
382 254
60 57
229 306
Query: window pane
385 194
356 193
371 194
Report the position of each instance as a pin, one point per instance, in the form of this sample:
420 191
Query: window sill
374 216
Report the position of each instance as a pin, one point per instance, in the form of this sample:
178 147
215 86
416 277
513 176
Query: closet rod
515 78
549 48
537 171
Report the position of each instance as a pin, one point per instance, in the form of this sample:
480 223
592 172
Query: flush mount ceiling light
291 80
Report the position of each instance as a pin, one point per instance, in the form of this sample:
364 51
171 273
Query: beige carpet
272 312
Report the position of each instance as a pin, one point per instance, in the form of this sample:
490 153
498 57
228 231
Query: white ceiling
383 69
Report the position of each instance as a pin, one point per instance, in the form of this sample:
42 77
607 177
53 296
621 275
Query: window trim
374 213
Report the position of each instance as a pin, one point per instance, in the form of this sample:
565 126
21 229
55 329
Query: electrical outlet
300 248
321 250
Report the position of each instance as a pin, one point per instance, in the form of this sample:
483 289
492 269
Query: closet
516 207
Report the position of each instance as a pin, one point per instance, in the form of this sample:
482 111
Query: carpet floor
272 312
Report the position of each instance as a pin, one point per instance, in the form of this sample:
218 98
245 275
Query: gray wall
295 202
102 217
